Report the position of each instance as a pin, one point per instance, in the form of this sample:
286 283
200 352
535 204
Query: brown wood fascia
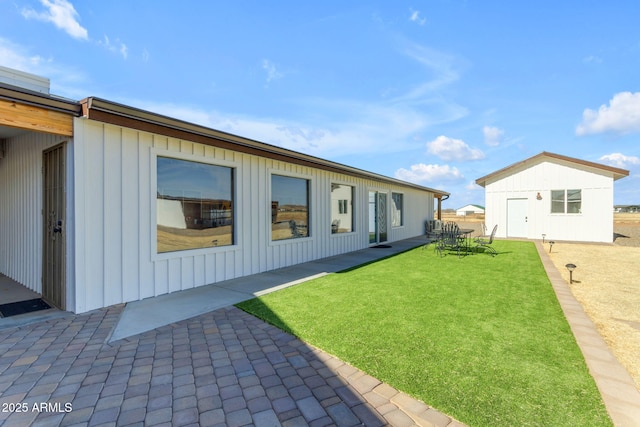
233 143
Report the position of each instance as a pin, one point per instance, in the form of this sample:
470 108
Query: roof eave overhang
29 97
616 173
27 110
118 114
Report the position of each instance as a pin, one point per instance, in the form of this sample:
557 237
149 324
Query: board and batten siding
21 222
115 209
594 224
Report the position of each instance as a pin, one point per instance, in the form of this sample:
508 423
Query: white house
558 197
470 210
102 203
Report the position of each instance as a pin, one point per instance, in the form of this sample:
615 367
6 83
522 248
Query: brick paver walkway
224 368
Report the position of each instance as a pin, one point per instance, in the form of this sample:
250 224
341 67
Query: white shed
103 203
552 196
470 210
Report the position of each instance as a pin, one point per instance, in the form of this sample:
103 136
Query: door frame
380 217
54 225
524 202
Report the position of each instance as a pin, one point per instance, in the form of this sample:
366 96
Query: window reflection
194 205
557 201
396 209
341 208
289 207
573 200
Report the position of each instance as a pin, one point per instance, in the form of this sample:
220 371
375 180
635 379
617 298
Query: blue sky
439 93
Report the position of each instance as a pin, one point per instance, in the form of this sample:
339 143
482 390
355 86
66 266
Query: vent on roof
24 80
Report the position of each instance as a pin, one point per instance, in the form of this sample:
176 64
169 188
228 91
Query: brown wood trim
234 144
118 120
31 117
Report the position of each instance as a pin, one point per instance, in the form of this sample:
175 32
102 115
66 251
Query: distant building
626 208
470 210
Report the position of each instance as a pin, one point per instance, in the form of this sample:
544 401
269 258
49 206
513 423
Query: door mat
381 247
22 307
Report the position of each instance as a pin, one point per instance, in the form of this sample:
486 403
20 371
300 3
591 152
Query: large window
194 205
396 210
566 201
342 208
289 207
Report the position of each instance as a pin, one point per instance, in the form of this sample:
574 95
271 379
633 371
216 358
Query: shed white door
517 217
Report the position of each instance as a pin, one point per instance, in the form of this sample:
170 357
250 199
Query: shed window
289 207
194 205
566 201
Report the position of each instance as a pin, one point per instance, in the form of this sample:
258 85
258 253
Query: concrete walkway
148 314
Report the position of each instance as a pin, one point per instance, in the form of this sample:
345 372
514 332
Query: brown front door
54 215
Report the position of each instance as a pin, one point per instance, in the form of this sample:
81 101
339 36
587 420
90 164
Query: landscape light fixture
543 236
551 243
571 267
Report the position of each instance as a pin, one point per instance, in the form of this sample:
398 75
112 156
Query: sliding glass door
377 217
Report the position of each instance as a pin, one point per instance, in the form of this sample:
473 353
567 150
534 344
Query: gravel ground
626 235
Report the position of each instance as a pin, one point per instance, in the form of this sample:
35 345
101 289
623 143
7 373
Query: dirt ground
606 283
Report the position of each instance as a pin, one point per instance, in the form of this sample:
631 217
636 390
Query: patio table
464 233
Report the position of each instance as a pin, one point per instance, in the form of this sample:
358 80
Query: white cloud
415 17
453 149
619 160
64 16
492 135
116 47
622 116
17 58
342 127
364 128
65 81
60 13
440 65
421 174
271 70
472 186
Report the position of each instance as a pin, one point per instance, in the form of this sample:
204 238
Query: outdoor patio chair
432 229
485 244
483 231
449 239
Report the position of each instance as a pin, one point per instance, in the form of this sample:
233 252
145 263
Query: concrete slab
151 313
12 291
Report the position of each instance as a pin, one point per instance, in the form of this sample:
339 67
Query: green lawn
482 339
